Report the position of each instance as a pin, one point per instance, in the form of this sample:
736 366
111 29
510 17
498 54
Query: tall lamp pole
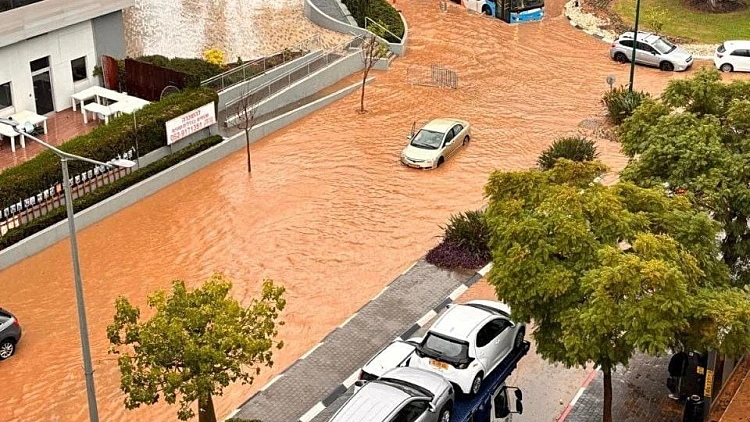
82 324
635 42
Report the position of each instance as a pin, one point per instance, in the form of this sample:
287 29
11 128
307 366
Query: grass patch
686 23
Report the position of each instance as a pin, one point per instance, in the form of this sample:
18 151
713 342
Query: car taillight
361 374
614 44
15 322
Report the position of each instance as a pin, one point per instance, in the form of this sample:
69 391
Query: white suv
651 50
733 56
468 342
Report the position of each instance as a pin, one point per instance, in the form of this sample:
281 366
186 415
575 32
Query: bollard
693 409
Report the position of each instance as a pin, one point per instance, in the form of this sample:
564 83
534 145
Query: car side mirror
431 407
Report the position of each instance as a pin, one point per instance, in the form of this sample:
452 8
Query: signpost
191 122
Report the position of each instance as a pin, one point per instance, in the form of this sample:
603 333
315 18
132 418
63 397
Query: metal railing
435 76
253 98
257 67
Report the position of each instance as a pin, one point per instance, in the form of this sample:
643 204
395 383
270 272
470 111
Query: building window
6 99
39 64
78 66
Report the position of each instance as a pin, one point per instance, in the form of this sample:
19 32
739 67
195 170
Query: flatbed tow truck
494 402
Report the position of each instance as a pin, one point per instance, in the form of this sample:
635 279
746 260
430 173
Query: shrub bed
58 214
466 243
574 148
380 11
621 103
103 143
198 69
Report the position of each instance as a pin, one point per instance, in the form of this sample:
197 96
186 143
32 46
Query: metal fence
253 98
31 208
435 76
257 67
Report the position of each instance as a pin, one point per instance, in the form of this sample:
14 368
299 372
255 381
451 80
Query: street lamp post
635 42
88 369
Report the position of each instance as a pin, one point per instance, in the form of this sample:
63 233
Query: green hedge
198 69
380 11
58 214
103 143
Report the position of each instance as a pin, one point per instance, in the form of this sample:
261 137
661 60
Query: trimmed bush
58 214
380 11
103 143
574 148
621 103
198 69
465 242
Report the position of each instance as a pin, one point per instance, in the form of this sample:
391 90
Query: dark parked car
10 334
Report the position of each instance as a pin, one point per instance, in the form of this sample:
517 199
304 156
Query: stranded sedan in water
435 142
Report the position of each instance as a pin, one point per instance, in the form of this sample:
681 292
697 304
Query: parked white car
435 142
468 342
733 56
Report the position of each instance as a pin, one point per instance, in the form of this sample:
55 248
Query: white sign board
191 122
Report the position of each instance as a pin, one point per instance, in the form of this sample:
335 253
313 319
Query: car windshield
663 46
445 348
427 139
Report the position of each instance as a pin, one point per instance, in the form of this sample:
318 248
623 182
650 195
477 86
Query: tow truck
495 402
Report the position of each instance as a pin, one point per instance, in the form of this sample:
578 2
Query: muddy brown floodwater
328 210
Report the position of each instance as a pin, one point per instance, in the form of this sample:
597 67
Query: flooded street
240 28
328 211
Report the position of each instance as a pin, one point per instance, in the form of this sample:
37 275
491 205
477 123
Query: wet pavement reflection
328 211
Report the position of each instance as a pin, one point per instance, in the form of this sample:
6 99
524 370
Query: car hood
420 153
680 54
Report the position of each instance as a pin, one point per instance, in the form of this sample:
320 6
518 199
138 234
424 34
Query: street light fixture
82 324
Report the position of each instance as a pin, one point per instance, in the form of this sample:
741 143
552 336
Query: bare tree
245 110
373 49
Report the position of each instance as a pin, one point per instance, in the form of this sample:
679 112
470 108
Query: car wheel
476 385
7 348
519 338
666 66
486 10
621 58
726 67
445 414
441 160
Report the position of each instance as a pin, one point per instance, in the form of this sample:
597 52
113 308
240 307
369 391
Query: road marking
276 378
426 318
312 413
381 292
458 292
577 396
310 351
483 272
351 380
231 415
408 269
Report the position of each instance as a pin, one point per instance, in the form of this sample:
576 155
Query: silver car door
743 61
448 143
459 139
642 55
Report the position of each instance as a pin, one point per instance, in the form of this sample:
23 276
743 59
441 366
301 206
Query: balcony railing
6 5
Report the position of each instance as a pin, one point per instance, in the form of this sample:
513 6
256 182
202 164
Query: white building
49 48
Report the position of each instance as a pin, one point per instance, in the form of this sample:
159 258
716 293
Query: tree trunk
607 415
247 144
364 79
206 412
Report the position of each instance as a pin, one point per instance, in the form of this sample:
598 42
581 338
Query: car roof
733 44
442 124
459 321
374 402
642 36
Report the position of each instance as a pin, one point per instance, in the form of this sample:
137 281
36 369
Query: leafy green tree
605 271
196 343
696 141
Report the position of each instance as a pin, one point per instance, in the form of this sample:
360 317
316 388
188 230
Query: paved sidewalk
332 9
324 374
639 393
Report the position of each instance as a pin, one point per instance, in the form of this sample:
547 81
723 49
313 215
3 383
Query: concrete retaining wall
232 93
53 234
317 16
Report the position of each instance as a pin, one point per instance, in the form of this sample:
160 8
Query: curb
349 381
578 395
610 40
